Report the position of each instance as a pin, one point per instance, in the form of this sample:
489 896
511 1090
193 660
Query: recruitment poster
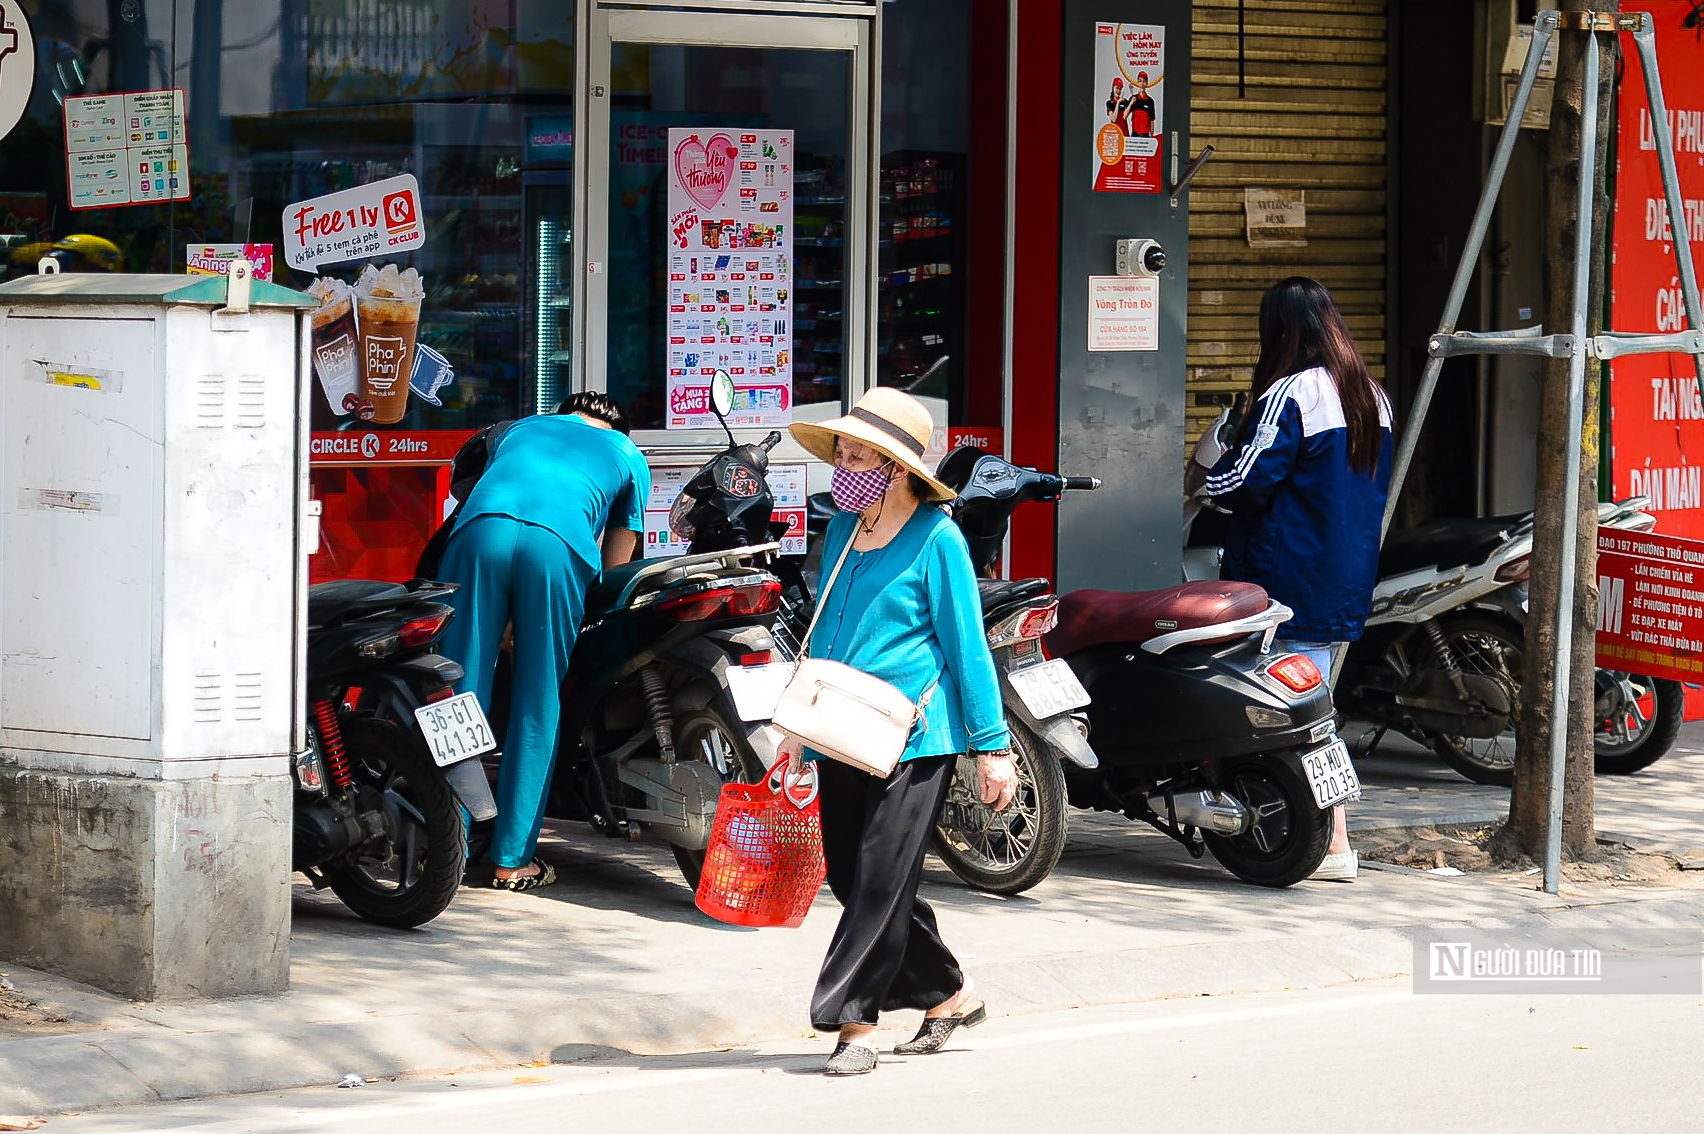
1656 429
1130 69
730 266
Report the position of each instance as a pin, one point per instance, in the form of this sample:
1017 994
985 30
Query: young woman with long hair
1306 484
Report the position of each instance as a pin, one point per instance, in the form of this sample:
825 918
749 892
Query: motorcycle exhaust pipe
1207 809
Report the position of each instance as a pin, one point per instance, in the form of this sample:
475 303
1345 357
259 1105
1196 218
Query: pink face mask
856 491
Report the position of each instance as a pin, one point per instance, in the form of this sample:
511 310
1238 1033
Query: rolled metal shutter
1301 105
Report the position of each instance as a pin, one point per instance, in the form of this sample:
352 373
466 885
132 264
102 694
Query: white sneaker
1339 867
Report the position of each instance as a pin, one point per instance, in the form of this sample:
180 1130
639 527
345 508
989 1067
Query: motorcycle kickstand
1372 746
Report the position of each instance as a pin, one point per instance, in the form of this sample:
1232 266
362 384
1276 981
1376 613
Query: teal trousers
510 570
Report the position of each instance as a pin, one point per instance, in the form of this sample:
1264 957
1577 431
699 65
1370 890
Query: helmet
89 253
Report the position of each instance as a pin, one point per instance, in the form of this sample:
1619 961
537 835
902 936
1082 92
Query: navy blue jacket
1304 524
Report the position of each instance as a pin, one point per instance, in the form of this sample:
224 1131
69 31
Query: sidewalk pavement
616 955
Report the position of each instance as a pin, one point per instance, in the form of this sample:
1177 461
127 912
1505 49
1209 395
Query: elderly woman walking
904 607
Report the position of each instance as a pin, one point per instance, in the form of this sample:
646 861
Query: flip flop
521 882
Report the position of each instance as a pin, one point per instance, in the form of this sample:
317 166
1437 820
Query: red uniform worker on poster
1130 62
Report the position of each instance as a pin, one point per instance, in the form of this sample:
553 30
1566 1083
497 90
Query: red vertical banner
1656 432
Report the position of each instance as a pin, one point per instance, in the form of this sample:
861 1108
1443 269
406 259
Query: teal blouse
910 614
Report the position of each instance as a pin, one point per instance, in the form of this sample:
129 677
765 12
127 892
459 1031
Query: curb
149 1064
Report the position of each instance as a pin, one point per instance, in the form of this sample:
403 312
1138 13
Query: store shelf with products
920 283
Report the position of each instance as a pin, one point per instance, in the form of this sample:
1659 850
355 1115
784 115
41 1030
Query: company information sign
730 238
126 149
378 219
1651 605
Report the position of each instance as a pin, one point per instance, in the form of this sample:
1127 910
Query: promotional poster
1130 71
730 240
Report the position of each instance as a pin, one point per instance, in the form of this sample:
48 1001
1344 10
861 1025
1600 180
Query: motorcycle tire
1288 840
1648 737
409 875
704 735
1490 648
1006 852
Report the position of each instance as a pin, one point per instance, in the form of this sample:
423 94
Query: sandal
521 882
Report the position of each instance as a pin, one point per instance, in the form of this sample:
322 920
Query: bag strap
822 596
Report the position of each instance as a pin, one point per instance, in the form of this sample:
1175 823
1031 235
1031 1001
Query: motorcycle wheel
1005 852
408 875
1486 647
1639 720
704 735
1290 833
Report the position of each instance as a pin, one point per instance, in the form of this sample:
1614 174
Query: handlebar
771 441
1082 483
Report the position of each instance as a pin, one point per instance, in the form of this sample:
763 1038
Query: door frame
854 29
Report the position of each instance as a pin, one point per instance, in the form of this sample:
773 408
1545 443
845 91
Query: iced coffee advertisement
730 240
1130 71
365 349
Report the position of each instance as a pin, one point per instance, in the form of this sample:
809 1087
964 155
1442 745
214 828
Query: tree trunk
1528 809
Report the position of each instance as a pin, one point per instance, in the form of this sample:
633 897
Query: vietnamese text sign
787 486
378 219
215 259
1130 64
126 149
730 238
1276 218
1124 313
1656 426
1650 605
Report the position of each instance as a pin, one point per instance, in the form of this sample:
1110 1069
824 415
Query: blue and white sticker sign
17 65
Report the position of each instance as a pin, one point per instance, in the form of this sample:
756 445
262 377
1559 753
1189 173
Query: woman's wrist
992 753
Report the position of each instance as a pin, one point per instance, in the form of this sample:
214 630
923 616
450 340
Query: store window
940 287
287 101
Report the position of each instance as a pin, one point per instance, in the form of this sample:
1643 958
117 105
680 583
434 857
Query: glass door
730 220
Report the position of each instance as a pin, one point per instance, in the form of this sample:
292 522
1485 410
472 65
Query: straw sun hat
889 421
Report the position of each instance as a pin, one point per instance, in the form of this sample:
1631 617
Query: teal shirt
909 613
560 473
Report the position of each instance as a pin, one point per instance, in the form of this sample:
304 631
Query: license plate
756 688
1048 689
455 729
1331 775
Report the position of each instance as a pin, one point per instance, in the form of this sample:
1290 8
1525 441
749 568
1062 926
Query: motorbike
650 730
392 753
1442 655
1202 727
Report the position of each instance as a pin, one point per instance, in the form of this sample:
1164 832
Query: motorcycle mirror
722 399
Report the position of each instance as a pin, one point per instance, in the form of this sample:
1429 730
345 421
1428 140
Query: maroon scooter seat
1095 618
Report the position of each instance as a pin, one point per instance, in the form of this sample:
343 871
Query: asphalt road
1359 1057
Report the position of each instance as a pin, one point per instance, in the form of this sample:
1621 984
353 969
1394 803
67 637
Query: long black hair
1301 328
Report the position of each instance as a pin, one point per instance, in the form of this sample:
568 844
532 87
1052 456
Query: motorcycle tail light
442 693
309 768
1297 672
743 600
1514 571
381 647
763 658
1024 625
420 631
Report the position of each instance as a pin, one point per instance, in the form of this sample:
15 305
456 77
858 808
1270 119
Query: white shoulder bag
843 712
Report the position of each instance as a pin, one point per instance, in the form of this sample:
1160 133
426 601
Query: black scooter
392 753
1203 729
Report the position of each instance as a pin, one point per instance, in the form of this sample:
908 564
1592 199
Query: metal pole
1646 38
1571 480
1543 28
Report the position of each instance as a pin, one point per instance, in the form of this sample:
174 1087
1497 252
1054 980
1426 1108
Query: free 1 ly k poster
730 235
1130 66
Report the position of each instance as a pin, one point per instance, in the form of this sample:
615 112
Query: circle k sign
17 65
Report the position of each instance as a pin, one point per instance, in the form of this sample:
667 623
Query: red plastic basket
764 864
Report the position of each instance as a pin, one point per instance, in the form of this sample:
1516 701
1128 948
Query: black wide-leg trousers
887 952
